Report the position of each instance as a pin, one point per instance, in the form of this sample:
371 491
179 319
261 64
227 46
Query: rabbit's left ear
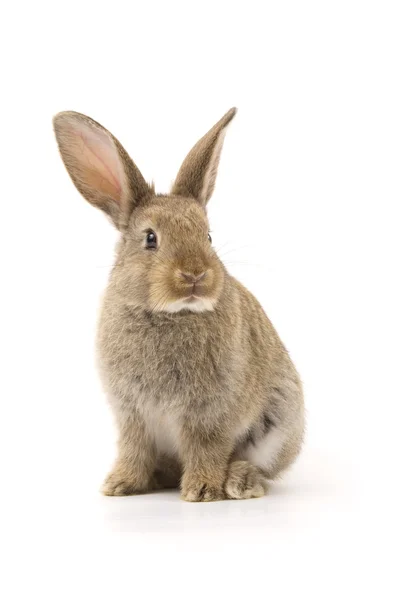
99 166
197 175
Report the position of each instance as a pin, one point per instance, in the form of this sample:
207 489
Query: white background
306 213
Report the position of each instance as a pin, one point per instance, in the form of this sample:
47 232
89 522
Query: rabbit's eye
210 238
151 240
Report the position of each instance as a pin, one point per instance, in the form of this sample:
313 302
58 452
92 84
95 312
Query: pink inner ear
99 162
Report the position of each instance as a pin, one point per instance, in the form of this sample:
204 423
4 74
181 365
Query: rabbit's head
165 259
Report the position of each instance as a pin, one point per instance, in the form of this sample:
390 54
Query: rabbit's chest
164 366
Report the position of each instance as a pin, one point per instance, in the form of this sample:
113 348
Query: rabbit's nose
190 278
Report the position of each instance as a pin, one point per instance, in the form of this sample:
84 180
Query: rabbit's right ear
99 166
197 175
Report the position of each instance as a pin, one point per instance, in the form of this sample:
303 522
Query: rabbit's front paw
196 490
244 481
118 485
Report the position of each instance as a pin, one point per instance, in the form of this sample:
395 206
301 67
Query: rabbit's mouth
195 289
196 293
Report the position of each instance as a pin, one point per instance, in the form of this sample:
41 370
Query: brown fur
213 383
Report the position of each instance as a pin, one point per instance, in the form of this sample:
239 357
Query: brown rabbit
204 393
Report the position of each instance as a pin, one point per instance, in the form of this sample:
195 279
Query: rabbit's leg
205 456
274 441
275 450
245 481
133 469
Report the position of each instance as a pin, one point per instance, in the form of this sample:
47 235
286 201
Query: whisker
242 264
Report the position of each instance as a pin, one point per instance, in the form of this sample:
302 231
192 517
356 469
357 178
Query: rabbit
204 394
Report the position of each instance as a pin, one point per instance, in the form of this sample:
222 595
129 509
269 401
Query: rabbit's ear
99 166
198 172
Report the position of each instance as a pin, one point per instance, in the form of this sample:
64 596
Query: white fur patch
265 452
198 305
164 430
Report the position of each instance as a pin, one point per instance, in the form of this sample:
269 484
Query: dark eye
151 240
210 238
